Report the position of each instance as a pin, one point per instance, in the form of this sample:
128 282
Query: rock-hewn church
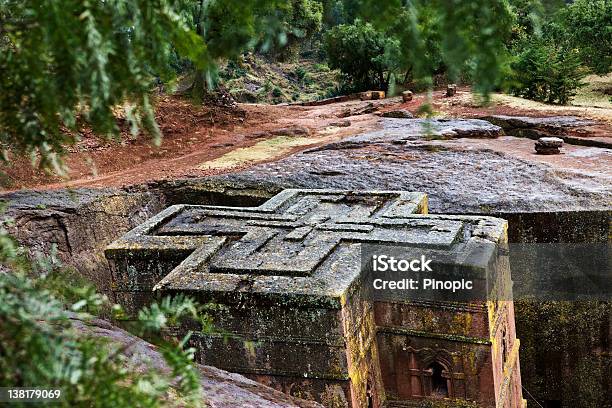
294 311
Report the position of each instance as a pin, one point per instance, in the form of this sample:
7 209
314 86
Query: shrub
331 92
547 72
300 74
359 51
587 26
39 346
277 92
232 71
321 67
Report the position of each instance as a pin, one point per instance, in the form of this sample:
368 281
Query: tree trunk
199 86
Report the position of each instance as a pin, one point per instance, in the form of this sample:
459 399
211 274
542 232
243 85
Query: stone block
372 95
548 145
295 311
406 96
398 114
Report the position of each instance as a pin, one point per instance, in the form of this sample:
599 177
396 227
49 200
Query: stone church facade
295 312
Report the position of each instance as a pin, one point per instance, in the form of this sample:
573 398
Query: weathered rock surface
548 145
294 131
551 123
402 156
79 223
571 129
292 283
369 108
340 123
398 114
457 180
220 389
291 131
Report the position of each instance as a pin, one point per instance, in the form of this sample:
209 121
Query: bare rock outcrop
78 223
220 389
416 155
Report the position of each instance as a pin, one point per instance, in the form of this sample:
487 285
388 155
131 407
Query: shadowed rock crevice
571 129
220 389
78 224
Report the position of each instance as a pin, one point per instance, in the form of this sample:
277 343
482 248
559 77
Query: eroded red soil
195 135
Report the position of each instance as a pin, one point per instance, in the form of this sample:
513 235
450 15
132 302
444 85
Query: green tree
70 63
358 51
546 72
40 346
334 13
472 36
302 20
228 28
528 21
79 63
587 27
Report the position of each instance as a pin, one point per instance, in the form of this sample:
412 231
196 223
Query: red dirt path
197 134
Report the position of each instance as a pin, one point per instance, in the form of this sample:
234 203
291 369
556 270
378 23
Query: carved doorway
439 380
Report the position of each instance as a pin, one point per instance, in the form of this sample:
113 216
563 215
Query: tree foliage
39 345
301 20
587 26
423 38
69 63
553 44
529 15
547 72
358 51
471 36
78 63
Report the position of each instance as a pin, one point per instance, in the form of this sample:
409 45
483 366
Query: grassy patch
264 150
596 93
255 79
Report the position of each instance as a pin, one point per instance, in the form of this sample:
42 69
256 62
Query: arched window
439 384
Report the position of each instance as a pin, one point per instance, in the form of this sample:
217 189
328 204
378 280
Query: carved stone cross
288 277
288 236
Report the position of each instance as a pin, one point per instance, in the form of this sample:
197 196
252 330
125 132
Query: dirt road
199 141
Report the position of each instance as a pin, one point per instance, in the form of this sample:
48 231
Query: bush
232 71
321 67
359 51
39 346
547 72
300 74
587 26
